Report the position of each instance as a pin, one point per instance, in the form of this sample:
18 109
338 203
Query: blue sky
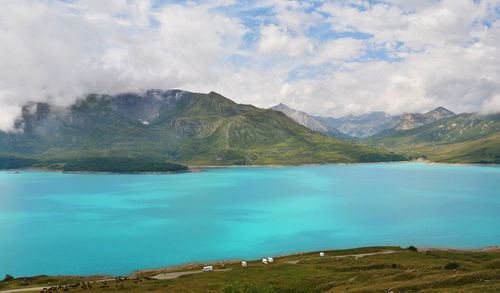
328 58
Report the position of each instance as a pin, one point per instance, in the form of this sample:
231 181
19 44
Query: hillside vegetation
175 126
120 165
94 164
464 138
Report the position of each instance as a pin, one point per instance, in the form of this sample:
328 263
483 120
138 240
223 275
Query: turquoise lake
82 224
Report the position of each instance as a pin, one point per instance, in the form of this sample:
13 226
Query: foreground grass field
370 269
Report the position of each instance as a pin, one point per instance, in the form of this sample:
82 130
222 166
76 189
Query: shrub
451 266
8 277
412 248
121 165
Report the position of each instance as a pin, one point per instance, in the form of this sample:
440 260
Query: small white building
322 254
208 268
243 263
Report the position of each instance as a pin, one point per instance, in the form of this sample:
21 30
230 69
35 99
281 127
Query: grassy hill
369 269
464 138
175 126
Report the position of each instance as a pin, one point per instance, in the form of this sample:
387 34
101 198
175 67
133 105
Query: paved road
359 255
173 275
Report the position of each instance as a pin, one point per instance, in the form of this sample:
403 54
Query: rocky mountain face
176 126
310 122
375 123
362 125
414 120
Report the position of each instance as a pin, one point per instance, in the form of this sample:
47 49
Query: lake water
52 223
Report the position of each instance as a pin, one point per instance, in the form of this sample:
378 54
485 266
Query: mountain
174 126
414 120
310 122
363 125
463 138
374 123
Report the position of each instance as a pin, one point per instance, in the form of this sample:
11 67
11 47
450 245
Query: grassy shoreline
189 170
427 162
364 269
199 168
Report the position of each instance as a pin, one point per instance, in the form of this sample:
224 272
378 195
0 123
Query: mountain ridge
413 120
361 126
176 126
462 138
310 121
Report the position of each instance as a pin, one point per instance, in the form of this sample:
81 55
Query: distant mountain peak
442 111
414 120
309 121
283 106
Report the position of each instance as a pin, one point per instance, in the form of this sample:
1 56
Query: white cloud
329 58
492 105
293 16
276 41
50 51
444 23
343 49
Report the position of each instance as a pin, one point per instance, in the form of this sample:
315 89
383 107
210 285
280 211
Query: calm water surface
52 223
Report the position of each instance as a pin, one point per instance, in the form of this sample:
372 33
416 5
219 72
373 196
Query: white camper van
208 268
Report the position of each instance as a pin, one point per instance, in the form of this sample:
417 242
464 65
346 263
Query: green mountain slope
175 126
464 138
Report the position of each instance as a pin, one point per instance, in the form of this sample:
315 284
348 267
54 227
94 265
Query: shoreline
232 261
434 264
189 170
181 267
426 162
461 164
298 165
199 168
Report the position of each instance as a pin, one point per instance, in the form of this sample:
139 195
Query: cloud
343 49
56 52
491 105
327 57
276 41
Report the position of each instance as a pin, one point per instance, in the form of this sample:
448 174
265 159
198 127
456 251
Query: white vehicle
322 254
208 268
264 261
243 263
270 260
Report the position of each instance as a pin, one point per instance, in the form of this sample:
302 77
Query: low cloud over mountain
328 58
